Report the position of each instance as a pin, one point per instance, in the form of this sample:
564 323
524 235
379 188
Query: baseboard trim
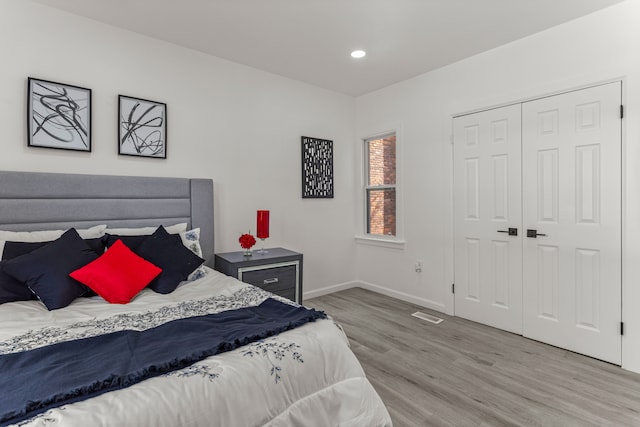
423 302
329 290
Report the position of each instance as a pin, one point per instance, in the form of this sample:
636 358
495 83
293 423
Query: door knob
512 231
534 233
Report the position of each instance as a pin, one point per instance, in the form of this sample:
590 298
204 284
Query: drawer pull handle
270 281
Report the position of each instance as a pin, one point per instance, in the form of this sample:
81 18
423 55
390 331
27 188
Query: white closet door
487 202
572 198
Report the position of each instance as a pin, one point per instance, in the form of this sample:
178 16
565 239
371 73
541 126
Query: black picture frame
58 115
142 127
317 168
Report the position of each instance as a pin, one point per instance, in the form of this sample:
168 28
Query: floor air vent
427 317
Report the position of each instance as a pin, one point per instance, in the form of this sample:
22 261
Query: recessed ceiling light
358 54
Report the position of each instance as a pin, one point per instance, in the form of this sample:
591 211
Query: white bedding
307 376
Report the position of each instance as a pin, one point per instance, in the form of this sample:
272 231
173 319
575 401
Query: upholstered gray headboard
32 201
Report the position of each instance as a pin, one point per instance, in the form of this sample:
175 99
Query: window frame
393 241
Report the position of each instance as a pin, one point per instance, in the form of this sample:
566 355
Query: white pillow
191 239
47 235
50 235
147 231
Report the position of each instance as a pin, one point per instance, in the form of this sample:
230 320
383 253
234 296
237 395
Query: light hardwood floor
461 373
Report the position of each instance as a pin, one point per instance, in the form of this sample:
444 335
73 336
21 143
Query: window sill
380 242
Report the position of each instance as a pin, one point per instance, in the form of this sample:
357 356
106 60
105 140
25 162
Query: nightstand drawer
277 280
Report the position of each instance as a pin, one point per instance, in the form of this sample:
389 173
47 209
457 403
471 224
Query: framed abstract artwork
142 127
317 168
58 115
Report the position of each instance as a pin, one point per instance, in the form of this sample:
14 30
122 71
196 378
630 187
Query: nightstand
278 271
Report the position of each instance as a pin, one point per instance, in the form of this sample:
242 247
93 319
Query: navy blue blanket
36 380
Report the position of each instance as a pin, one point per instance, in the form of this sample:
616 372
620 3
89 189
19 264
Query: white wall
234 124
598 47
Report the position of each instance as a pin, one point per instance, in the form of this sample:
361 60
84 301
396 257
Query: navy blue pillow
167 252
12 289
16 249
132 242
46 270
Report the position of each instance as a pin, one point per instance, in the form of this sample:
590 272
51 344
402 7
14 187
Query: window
380 187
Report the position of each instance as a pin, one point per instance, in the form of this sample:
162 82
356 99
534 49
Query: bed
275 363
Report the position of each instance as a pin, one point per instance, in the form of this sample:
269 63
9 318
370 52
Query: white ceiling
310 40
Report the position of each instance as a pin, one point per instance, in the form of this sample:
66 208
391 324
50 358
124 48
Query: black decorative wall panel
317 168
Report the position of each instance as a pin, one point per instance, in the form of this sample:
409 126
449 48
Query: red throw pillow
118 275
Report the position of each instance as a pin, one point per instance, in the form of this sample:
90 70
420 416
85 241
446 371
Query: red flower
247 241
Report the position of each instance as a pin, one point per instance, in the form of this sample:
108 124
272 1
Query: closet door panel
572 199
487 186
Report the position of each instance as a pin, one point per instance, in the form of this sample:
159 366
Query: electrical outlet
418 266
